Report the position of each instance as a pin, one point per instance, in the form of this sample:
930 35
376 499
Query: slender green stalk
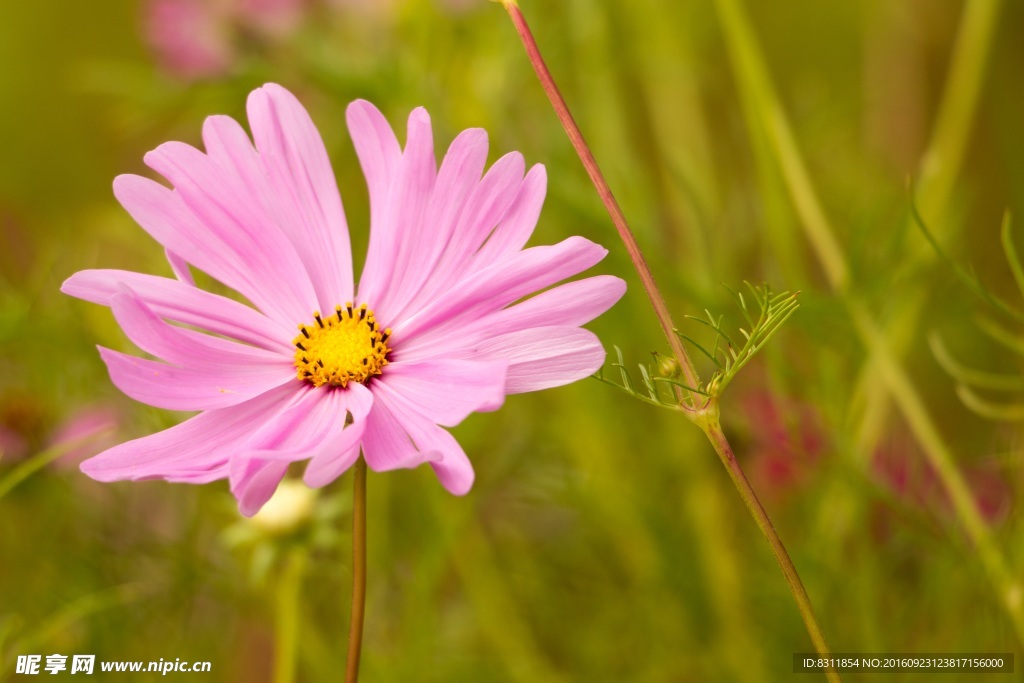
756 85
713 428
605 192
707 416
355 632
289 592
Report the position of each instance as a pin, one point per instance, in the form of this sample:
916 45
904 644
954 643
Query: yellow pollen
348 346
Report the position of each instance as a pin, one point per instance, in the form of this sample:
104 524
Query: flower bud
667 366
289 507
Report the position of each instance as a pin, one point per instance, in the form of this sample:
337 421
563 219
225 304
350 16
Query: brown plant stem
714 432
704 415
355 632
605 192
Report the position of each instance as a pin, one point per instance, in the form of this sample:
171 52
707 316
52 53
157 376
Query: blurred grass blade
1008 412
44 458
939 167
759 98
964 375
1007 338
943 159
970 280
1012 257
63 620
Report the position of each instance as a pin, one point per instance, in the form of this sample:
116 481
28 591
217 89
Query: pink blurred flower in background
23 423
273 18
899 465
195 39
87 431
319 370
376 7
191 38
12 444
27 431
787 441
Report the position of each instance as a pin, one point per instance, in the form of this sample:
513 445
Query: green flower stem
707 416
605 192
758 93
711 426
289 594
355 632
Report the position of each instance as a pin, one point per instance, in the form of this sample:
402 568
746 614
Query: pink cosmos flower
318 369
195 39
91 429
191 38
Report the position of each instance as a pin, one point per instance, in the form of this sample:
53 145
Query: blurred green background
602 542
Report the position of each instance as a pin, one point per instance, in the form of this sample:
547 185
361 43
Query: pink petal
519 222
314 427
229 146
487 205
545 357
493 288
162 213
481 211
310 423
386 442
183 303
330 462
296 164
459 175
228 209
174 388
196 450
406 207
214 241
253 482
447 391
379 155
571 304
179 267
184 347
453 470
431 443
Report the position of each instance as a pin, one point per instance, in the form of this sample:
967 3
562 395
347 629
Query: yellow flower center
346 347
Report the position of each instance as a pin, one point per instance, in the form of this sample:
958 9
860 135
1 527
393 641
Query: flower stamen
347 347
